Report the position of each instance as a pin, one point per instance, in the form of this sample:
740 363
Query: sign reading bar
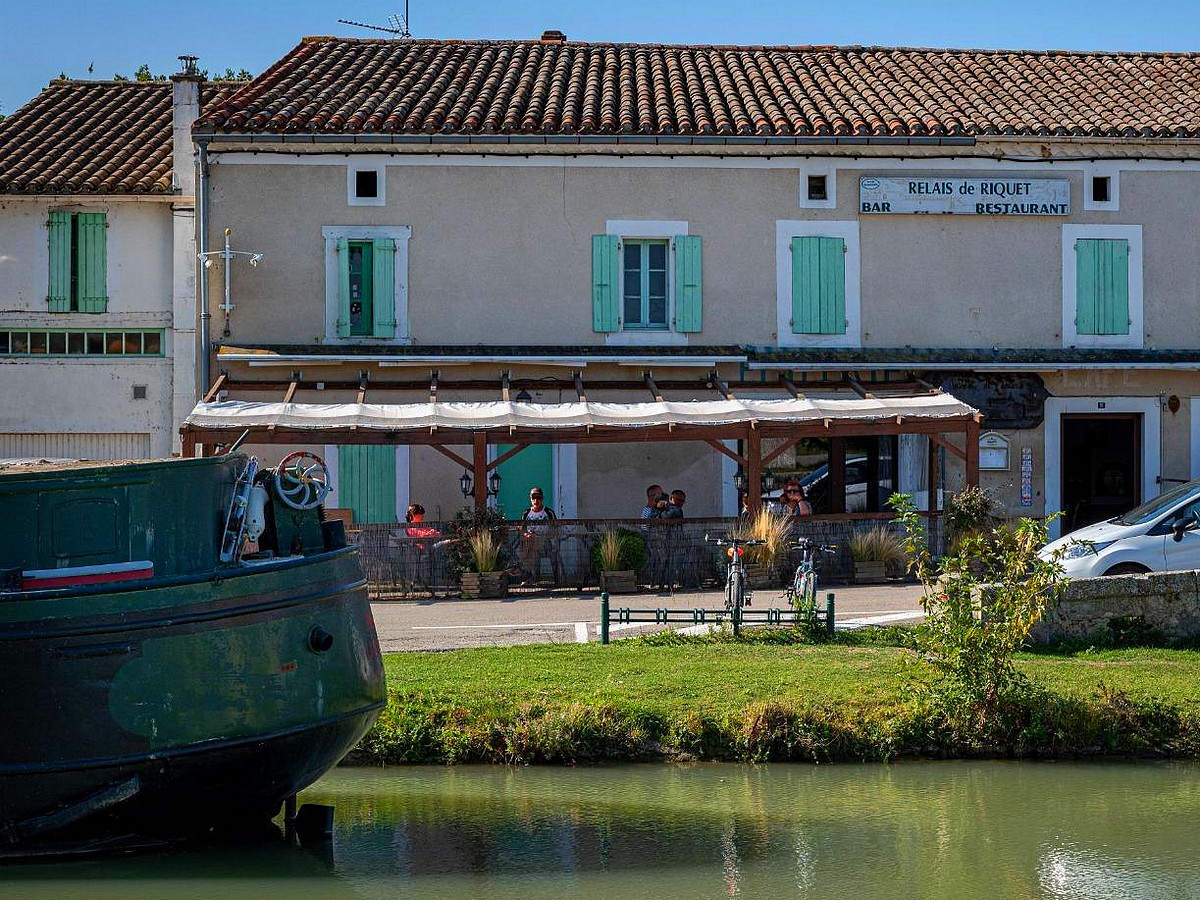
965 196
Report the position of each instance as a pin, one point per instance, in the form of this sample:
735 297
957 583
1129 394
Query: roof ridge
758 48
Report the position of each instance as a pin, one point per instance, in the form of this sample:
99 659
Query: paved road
573 617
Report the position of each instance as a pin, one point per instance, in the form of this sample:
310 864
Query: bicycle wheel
804 590
734 589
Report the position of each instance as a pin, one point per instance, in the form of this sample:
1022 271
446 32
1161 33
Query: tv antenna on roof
399 24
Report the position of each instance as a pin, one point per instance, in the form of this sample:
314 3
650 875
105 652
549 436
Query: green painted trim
92 262
1101 286
689 311
606 280
343 264
818 285
44 339
58 293
383 288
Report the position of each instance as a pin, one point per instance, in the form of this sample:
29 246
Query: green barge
183 644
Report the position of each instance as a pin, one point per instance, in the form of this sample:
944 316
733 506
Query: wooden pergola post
972 448
753 468
480 469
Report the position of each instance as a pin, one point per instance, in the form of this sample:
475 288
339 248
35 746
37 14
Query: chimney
185 109
553 36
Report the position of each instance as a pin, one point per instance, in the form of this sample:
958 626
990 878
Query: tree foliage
980 604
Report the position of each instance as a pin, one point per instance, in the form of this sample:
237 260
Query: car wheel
1127 569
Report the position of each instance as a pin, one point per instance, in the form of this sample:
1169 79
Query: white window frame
1131 233
1112 172
829 170
380 171
649 230
785 230
398 233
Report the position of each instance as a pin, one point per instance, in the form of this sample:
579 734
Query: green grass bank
767 698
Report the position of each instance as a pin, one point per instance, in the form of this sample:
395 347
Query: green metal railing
623 615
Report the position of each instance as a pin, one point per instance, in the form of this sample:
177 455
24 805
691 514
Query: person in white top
536 521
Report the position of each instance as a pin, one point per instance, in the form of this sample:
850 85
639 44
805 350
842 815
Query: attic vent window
366 184
139 392
818 188
1101 189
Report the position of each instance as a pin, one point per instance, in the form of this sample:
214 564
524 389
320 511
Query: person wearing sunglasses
794 502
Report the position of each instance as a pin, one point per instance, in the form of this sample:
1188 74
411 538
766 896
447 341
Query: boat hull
178 705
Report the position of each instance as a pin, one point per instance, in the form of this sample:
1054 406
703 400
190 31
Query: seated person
536 521
674 508
794 501
415 517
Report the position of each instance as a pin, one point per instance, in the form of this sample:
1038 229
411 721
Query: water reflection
923 830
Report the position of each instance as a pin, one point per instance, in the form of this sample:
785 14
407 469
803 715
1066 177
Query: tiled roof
354 86
94 137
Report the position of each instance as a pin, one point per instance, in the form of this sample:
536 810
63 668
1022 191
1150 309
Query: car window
1152 509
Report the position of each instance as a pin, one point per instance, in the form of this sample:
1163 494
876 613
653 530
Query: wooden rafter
433 386
791 387
216 388
504 387
856 386
942 442
287 397
721 448
719 385
506 455
652 387
579 392
362 387
779 451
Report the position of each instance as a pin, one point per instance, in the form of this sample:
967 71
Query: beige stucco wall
78 394
501 254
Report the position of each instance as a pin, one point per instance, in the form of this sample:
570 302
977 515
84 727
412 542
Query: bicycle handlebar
805 544
733 541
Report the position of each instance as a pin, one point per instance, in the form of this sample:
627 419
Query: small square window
366 184
152 343
58 343
133 342
37 342
20 342
818 187
75 343
95 343
4 341
1101 189
139 392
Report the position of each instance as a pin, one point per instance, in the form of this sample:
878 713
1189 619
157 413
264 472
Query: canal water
911 830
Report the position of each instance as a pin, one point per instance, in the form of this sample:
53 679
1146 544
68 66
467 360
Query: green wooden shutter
1101 286
58 294
343 264
383 279
92 262
688 296
367 481
818 285
606 282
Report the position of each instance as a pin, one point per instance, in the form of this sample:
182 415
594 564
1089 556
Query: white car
1161 535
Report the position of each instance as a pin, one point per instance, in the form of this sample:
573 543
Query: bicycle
736 595
802 592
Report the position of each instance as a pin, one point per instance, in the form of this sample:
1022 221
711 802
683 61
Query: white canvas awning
510 415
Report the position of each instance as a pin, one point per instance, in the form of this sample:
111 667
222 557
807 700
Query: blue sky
42 38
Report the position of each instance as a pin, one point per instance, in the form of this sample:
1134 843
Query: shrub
468 522
971 511
619 550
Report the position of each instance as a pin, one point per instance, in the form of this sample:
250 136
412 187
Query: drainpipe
202 383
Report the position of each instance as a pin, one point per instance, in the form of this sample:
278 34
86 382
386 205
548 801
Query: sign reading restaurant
966 196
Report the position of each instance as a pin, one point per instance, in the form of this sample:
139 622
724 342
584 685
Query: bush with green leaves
467 522
970 511
619 550
980 604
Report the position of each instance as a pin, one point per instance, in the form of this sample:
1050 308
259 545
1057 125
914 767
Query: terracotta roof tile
350 86
94 137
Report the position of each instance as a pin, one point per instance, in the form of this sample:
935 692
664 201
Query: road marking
581 636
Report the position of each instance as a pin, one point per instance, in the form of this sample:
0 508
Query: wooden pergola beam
721 448
780 450
579 392
856 386
450 454
433 387
653 388
504 387
791 387
362 387
942 442
719 385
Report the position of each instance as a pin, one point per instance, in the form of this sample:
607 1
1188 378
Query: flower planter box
619 582
761 576
484 584
870 572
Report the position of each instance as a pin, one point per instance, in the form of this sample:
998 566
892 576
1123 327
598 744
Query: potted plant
877 553
485 578
762 561
617 556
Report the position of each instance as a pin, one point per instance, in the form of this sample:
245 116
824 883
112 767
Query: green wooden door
532 467
367 482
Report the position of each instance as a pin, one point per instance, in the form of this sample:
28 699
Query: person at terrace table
794 501
536 521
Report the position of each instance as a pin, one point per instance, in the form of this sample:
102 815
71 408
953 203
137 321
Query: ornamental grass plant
769 527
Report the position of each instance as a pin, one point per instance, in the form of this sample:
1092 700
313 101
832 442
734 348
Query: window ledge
646 339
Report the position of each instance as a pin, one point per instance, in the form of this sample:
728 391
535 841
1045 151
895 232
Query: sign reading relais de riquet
965 196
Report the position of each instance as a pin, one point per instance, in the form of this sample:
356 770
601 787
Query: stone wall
1168 603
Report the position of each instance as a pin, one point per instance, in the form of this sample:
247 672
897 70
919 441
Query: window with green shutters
646 284
1101 286
366 288
78 252
818 285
